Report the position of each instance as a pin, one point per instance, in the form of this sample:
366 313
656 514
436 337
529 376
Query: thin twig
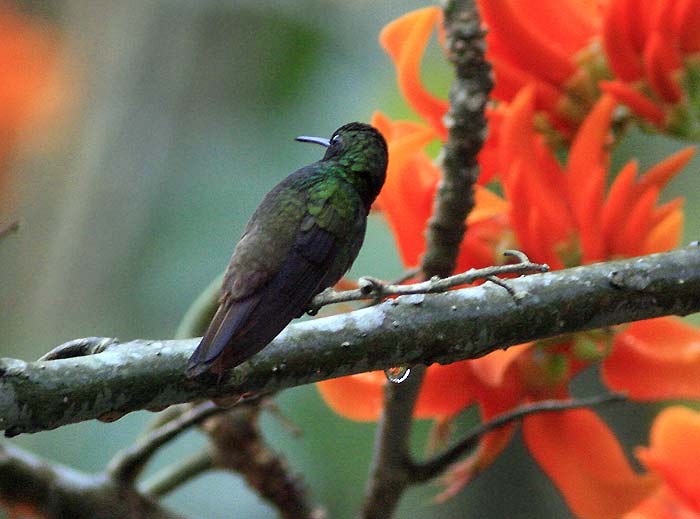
168 414
429 469
177 474
128 463
371 288
79 348
9 228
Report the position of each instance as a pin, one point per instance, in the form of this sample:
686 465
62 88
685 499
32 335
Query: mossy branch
409 330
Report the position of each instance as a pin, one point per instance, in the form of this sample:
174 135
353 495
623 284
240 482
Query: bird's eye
335 139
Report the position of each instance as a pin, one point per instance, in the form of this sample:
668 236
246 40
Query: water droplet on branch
397 374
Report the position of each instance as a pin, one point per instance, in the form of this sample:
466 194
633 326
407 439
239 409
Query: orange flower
645 53
652 48
30 90
562 216
405 40
578 451
407 198
674 455
559 214
546 48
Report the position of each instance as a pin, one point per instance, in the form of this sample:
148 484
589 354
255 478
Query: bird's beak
315 140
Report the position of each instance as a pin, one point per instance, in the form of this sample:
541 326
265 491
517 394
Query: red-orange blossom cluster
565 66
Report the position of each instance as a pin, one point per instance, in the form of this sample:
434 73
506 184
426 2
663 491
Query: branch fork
374 289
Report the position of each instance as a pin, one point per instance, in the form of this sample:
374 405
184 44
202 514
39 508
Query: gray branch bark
56 491
409 330
466 125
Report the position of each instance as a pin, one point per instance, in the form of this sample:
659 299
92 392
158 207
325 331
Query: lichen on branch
416 329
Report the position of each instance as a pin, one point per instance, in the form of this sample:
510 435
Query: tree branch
50 490
372 288
424 471
128 463
466 125
389 474
177 474
454 199
417 329
238 445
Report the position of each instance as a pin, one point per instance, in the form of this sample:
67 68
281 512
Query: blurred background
136 139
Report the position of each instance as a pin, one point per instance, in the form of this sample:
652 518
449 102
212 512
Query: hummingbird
302 238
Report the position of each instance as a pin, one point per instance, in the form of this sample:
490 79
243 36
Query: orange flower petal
662 504
510 78
655 359
487 158
543 244
660 174
407 197
548 202
490 369
564 23
617 203
635 227
674 453
446 390
516 131
491 404
405 40
412 204
641 105
487 204
523 43
604 486
357 397
481 243
516 190
666 234
639 19
589 158
662 60
686 21
672 206
589 149
617 42
590 235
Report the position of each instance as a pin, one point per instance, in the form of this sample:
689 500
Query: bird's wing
249 318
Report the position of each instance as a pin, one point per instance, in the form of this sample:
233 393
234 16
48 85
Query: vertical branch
466 124
391 462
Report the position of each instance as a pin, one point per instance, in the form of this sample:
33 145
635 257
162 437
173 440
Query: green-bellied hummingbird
301 239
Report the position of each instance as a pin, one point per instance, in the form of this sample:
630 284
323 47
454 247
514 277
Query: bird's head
360 150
